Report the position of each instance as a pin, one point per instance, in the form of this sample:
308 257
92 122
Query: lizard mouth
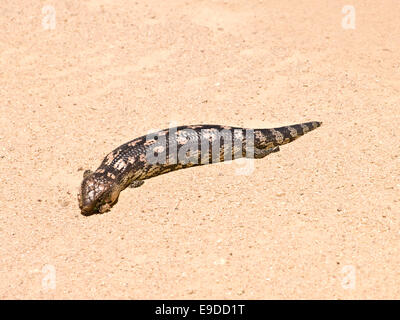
91 209
88 210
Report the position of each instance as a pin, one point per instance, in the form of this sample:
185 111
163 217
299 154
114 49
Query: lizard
173 149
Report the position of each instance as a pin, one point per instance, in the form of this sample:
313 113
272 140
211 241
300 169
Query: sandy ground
320 219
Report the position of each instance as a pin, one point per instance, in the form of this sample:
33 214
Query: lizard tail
269 138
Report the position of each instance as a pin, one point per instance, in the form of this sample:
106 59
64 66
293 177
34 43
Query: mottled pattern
173 149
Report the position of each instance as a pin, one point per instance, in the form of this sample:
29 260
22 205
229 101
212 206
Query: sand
318 220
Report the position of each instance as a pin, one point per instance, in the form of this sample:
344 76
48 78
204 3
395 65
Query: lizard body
173 149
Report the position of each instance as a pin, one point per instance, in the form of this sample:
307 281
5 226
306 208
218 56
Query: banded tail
270 138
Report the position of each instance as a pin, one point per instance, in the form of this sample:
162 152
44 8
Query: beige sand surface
320 219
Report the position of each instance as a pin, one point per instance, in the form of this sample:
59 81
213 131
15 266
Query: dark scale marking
128 165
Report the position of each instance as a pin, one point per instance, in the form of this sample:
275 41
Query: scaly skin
173 149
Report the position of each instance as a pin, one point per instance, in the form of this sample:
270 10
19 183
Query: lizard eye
87 173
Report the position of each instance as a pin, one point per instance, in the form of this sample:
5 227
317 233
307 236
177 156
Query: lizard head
97 194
